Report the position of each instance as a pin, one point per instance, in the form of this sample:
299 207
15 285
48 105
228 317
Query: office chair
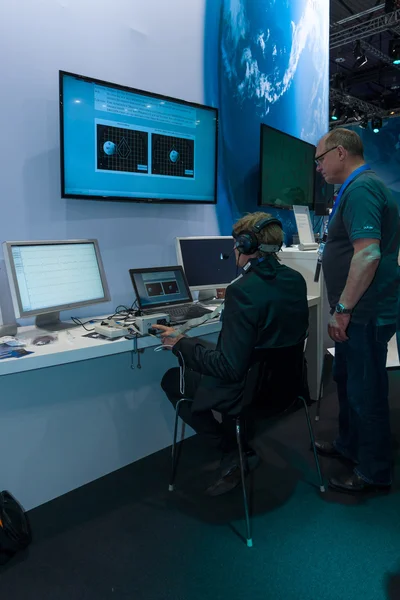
268 394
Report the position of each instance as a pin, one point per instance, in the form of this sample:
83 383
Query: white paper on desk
303 222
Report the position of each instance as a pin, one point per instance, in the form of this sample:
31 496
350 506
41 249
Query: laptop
165 290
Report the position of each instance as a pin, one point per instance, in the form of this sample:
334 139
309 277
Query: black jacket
266 308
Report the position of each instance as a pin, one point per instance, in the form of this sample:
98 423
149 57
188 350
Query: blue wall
258 60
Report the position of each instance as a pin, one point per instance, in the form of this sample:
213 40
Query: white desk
71 347
80 408
75 410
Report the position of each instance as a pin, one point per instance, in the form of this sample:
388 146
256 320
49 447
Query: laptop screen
160 286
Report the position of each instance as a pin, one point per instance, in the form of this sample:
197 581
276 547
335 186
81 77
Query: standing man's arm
365 261
362 271
362 218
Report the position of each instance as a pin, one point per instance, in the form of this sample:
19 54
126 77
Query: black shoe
355 484
230 461
225 484
230 479
329 450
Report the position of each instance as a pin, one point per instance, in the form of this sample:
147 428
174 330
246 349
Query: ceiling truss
364 30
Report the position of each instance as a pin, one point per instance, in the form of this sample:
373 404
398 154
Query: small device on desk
145 324
110 330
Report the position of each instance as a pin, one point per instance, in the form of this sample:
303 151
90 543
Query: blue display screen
129 145
154 288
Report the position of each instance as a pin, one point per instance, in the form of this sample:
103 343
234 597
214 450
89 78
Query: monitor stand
51 322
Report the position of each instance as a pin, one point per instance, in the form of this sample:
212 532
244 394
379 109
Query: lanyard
345 185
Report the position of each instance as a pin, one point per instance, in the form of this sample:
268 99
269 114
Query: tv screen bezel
263 127
154 200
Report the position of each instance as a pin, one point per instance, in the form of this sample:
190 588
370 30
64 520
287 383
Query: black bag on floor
15 532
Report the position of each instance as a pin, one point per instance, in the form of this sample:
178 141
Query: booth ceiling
364 43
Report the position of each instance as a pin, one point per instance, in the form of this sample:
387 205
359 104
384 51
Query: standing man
360 268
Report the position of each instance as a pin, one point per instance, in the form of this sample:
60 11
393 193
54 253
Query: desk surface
71 346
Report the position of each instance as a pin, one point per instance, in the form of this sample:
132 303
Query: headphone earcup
246 242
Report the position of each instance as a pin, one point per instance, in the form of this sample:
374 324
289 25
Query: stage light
336 113
359 55
394 51
376 124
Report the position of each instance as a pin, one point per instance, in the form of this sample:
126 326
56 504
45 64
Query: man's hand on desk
169 335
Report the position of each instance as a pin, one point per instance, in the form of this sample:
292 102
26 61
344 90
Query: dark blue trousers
363 390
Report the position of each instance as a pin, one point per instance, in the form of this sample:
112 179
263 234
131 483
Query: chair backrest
274 381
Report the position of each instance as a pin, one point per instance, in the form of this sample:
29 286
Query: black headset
247 242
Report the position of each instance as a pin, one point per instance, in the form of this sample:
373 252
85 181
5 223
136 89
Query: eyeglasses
318 160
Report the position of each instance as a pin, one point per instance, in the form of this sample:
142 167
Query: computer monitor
203 262
120 143
286 170
50 276
323 197
159 287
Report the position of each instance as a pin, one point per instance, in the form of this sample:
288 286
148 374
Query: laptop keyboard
185 312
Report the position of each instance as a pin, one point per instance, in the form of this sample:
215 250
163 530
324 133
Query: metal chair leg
320 391
171 485
310 429
249 539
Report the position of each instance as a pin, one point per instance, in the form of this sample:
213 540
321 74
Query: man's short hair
350 140
271 234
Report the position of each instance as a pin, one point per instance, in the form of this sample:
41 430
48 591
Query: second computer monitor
47 277
203 262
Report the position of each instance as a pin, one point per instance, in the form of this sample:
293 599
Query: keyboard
185 312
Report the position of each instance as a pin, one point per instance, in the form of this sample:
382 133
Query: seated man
265 308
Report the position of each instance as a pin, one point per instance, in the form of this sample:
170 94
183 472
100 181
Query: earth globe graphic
109 148
273 69
174 156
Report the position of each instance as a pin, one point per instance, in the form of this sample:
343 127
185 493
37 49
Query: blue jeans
363 392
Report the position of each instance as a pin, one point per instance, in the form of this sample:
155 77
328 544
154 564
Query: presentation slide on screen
161 286
128 145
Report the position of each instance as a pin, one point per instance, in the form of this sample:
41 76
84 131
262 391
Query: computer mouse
42 340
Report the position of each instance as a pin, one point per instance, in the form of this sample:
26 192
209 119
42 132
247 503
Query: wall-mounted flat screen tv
122 144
